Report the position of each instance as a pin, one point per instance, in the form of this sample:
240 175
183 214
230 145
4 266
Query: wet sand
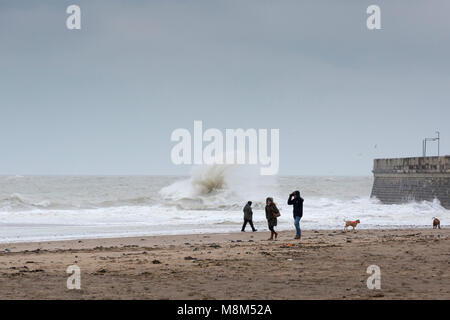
414 263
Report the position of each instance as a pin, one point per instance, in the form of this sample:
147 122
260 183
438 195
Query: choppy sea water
42 208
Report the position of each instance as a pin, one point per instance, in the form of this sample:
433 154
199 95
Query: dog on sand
352 224
436 223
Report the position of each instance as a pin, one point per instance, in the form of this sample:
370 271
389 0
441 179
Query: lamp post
424 151
424 143
438 140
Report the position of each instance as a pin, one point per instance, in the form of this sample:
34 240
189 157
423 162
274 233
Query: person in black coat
248 217
297 202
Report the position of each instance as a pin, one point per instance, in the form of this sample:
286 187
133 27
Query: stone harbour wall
403 180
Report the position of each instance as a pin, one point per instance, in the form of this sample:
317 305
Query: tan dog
351 224
436 223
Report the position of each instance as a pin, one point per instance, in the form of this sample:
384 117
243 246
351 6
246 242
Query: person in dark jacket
272 213
248 217
296 201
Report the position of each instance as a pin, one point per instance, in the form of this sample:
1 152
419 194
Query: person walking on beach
272 213
248 217
296 201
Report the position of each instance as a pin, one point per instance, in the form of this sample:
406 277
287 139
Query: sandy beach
414 264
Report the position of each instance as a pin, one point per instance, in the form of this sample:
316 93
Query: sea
209 200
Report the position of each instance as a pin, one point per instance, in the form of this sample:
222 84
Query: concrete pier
402 180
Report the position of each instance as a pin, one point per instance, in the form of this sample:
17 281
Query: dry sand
415 264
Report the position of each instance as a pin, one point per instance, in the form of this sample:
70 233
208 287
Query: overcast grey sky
105 99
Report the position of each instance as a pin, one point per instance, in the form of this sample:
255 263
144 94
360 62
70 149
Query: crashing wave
219 187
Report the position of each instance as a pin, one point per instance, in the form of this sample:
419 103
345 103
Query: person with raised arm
297 202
